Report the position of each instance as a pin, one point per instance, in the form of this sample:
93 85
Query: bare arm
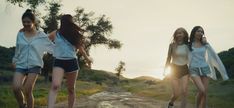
52 35
169 54
84 54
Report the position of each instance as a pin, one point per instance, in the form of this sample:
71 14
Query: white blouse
180 55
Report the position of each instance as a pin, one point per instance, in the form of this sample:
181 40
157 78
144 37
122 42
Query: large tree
52 17
97 29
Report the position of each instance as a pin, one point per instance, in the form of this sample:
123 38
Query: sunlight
161 73
167 71
158 73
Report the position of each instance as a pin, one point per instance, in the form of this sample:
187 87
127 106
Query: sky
145 28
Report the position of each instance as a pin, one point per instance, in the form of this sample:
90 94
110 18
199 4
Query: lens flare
167 71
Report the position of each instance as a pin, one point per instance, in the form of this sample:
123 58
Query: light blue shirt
63 50
29 53
198 57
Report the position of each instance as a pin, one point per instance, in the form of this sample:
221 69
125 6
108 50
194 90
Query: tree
120 69
227 58
97 29
51 19
32 3
6 55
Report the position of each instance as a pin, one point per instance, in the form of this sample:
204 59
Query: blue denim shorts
26 71
199 71
67 65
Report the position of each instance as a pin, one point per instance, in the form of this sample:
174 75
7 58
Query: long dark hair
192 36
70 31
29 14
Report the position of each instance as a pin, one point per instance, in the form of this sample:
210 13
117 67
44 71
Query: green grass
41 90
220 94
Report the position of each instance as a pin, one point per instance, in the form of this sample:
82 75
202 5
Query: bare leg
71 83
176 90
205 81
184 93
57 77
29 85
17 86
201 90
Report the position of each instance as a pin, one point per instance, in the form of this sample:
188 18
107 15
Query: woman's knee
28 90
202 92
17 88
184 93
71 90
55 86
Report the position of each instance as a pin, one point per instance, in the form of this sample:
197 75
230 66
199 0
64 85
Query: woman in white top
202 60
177 59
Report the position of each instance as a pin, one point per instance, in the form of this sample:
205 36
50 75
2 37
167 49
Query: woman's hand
89 61
204 40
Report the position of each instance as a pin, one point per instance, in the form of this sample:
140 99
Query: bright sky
145 28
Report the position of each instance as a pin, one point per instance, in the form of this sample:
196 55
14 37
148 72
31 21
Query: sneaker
170 105
24 106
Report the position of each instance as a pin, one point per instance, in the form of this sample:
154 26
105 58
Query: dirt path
116 98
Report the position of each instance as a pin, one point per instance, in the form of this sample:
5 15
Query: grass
220 94
41 90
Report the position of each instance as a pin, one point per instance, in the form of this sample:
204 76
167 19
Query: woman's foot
170 105
24 106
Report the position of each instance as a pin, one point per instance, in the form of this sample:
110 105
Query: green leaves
32 3
98 29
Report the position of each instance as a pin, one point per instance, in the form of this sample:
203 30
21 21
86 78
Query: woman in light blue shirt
30 47
67 40
202 60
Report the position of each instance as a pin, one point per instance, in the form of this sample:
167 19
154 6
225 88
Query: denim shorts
199 71
26 71
67 65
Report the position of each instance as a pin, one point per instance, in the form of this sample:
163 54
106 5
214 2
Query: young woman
27 61
177 59
67 40
202 60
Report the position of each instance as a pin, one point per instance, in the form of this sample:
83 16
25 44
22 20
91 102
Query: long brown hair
174 42
185 33
70 31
